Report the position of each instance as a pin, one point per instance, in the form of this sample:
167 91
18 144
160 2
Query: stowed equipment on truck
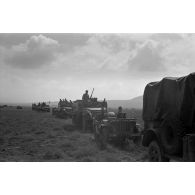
169 119
85 110
64 109
41 107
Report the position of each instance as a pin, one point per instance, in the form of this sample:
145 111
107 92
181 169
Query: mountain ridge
136 102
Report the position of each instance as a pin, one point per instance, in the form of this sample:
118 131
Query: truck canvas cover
170 98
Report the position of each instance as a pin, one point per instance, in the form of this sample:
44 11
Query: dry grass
26 135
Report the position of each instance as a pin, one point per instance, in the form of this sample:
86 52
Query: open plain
27 135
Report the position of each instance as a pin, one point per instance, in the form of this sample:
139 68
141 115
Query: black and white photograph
97 97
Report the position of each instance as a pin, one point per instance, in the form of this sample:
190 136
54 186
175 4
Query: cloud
84 58
100 53
146 58
36 52
122 52
179 55
117 65
115 53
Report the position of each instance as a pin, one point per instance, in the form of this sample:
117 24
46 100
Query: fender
149 135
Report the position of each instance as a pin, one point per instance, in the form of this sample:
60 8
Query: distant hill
136 102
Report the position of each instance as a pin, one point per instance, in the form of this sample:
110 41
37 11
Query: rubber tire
74 119
155 153
84 124
137 140
97 139
120 141
87 122
101 138
170 139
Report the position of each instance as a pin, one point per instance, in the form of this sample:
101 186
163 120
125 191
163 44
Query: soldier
120 113
85 96
104 103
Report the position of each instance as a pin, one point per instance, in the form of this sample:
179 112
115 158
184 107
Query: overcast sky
37 67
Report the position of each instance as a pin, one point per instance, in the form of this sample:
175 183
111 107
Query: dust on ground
27 135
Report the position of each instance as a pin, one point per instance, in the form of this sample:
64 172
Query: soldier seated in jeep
120 113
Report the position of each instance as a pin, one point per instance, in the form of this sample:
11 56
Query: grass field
26 135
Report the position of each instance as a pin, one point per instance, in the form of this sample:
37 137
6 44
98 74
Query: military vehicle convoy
169 119
3 106
19 107
64 109
91 115
168 115
41 107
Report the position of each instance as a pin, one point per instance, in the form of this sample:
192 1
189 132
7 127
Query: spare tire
171 137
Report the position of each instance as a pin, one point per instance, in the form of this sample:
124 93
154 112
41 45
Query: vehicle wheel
84 124
101 138
170 137
87 122
155 153
97 139
74 119
120 141
137 140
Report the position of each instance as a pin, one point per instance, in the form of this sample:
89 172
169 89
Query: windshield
95 109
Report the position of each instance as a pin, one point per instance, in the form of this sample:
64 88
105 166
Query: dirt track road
27 135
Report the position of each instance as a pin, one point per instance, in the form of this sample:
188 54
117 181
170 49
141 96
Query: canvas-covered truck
116 130
85 111
169 119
